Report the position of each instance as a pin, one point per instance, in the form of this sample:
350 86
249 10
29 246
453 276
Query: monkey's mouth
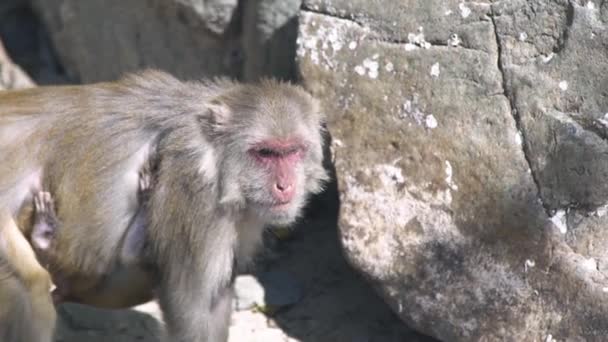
279 206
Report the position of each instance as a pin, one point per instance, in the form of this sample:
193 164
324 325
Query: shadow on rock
337 304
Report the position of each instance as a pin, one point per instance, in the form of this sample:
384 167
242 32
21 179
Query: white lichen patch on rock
546 59
601 211
464 10
449 173
416 40
518 138
368 67
589 265
389 67
320 41
359 69
411 109
560 221
430 121
454 40
372 68
529 264
603 120
523 36
435 70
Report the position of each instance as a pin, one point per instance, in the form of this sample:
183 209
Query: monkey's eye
267 153
292 150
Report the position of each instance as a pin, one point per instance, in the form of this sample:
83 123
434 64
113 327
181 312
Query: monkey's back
84 145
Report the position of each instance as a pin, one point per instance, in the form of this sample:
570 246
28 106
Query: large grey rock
11 75
28 44
269 37
469 141
215 15
101 40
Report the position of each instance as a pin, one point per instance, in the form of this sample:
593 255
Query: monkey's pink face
281 161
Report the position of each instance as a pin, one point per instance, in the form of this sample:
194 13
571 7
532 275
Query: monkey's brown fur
223 150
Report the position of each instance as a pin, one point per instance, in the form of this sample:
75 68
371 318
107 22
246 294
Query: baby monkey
128 282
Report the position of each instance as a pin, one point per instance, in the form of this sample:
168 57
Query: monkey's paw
145 181
43 202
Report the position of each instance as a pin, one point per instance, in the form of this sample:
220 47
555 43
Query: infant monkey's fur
230 159
26 310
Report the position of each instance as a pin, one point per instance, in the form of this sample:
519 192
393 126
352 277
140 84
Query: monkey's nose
283 191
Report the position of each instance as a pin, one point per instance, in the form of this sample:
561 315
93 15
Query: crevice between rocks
378 37
565 35
518 125
333 15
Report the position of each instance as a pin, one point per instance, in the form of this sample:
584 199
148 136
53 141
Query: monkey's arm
197 301
193 244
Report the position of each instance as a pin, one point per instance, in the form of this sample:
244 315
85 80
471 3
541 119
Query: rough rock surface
470 145
28 43
269 38
100 40
11 75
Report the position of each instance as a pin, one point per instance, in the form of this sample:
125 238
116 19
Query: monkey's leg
196 318
196 294
15 306
129 281
220 312
26 282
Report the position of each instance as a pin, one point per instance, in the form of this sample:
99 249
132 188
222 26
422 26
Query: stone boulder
470 142
99 40
11 75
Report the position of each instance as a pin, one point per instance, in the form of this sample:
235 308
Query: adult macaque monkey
230 159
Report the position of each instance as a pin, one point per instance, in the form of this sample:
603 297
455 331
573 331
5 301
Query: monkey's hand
45 221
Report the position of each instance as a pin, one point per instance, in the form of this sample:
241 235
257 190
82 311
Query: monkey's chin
280 214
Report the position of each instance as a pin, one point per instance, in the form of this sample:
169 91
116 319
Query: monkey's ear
215 117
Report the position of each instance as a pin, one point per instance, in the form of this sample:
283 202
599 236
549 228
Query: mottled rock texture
470 146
